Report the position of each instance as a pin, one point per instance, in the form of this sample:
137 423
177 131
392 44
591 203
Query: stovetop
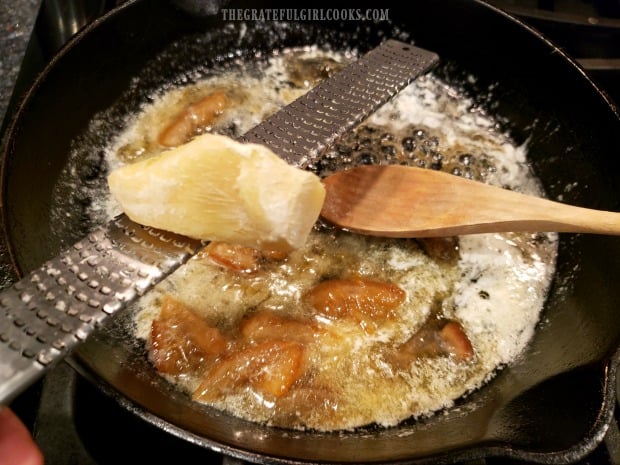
70 417
77 424
588 30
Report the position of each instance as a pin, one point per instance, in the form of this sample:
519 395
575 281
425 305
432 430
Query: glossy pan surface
529 410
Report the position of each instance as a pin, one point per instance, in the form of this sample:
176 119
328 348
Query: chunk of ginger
215 188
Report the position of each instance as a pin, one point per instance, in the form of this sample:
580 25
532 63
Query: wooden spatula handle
399 201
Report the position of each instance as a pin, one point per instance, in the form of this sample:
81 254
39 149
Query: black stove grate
587 30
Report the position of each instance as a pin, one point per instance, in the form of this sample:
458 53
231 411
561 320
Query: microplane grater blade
313 122
55 308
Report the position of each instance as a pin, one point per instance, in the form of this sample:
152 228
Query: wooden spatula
400 201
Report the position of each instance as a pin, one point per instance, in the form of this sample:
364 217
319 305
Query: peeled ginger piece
215 188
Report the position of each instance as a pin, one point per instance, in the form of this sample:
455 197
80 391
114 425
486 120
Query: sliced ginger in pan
198 114
215 188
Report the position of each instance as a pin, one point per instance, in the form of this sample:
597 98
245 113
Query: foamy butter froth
493 285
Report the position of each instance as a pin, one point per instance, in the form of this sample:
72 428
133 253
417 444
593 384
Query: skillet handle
56 307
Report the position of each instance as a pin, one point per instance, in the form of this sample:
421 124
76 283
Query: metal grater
56 307
310 124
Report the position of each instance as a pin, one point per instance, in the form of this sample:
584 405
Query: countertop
31 31
17 19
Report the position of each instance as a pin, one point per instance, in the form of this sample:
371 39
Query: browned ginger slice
266 324
239 258
368 302
234 257
268 356
181 342
443 249
437 337
197 115
269 367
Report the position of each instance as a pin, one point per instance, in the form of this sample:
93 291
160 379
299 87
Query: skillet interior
528 411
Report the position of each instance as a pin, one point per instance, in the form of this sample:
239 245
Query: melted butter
495 286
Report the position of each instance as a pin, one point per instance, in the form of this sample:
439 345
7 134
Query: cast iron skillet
551 406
